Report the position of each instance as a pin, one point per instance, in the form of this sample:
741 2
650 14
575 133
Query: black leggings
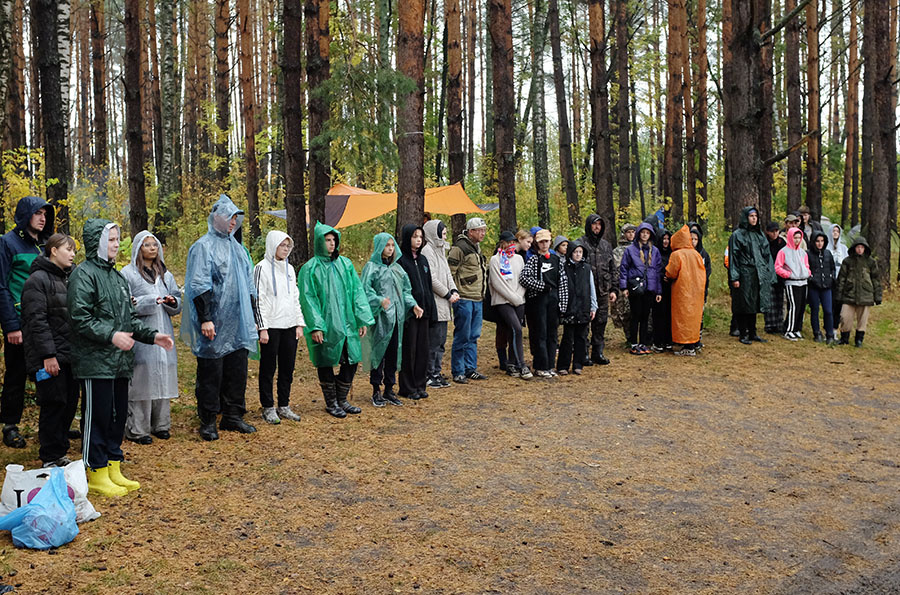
641 305
280 352
509 319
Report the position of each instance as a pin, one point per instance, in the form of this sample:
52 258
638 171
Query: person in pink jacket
792 265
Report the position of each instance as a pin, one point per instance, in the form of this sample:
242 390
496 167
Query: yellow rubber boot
100 484
115 475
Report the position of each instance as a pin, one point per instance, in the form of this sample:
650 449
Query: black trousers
509 325
662 318
598 325
747 324
542 313
414 367
57 397
386 372
280 352
105 413
221 386
796 305
345 374
641 305
574 338
12 399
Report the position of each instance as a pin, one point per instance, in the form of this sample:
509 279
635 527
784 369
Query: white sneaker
269 416
286 413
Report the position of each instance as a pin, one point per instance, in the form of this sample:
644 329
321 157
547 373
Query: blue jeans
821 297
466 331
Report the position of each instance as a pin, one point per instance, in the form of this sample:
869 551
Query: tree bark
223 17
689 140
701 130
504 109
813 118
411 139
292 111
851 160
765 105
318 71
601 173
539 115
248 115
98 63
455 154
672 179
795 124
134 118
566 166
624 120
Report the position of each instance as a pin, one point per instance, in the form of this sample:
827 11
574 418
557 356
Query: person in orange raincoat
688 276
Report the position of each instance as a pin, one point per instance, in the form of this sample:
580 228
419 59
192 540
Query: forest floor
773 468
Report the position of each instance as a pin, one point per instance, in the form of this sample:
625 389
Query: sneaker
476 375
543 374
445 382
513 372
525 373
798 336
270 417
635 350
434 383
460 379
790 336
688 351
561 373
658 348
391 397
645 350
286 413
577 371
60 462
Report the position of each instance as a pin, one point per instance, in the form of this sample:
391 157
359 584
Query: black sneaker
513 372
445 383
378 399
476 375
460 380
434 383
391 397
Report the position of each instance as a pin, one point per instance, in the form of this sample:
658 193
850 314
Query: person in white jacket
508 302
280 323
445 293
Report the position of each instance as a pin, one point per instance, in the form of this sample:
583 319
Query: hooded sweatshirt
333 302
418 270
442 285
17 251
821 264
99 302
385 279
155 369
504 281
859 283
599 254
278 301
582 295
219 288
792 263
838 248
644 260
557 241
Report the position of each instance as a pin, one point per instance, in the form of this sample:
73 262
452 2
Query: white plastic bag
20 486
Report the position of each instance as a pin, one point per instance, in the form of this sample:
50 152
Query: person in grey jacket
445 294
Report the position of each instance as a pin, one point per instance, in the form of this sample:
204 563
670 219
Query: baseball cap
475 223
542 235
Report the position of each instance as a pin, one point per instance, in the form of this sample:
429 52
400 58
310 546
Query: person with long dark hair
639 280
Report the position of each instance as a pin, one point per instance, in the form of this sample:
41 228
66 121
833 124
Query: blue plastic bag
48 520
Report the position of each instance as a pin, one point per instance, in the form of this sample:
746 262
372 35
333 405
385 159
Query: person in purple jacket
639 278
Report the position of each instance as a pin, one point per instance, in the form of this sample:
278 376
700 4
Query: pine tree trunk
455 154
868 117
134 118
442 106
169 125
701 130
539 116
223 18
7 76
411 139
154 99
504 109
689 139
672 179
383 86
318 71
192 89
248 115
813 118
851 160
884 146
83 34
292 110
566 166
795 124
98 63
472 31
624 181
602 167
725 61
765 104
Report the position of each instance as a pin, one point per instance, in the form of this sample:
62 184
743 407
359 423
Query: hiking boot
377 398
13 439
270 417
234 423
343 391
287 413
860 335
391 397
476 375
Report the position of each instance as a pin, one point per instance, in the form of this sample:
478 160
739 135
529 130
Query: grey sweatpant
147 416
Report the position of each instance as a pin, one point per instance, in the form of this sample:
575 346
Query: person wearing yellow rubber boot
104 328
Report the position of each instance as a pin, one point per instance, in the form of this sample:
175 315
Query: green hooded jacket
333 301
750 262
381 281
858 283
99 302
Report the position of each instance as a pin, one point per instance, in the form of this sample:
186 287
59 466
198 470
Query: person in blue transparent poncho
218 323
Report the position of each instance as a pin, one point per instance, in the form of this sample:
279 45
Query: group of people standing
779 271
105 335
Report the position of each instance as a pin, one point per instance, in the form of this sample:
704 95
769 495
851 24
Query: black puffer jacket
45 321
821 264
599 254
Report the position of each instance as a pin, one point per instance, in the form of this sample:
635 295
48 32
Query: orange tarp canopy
348 205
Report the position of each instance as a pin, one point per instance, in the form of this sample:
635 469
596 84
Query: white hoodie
278 302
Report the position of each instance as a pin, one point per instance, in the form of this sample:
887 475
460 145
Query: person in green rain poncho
390 297
337 315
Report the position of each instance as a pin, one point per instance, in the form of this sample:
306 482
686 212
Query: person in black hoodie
599 255
774 314
414 364
546 295
46 339
820 285
581 310
662 310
